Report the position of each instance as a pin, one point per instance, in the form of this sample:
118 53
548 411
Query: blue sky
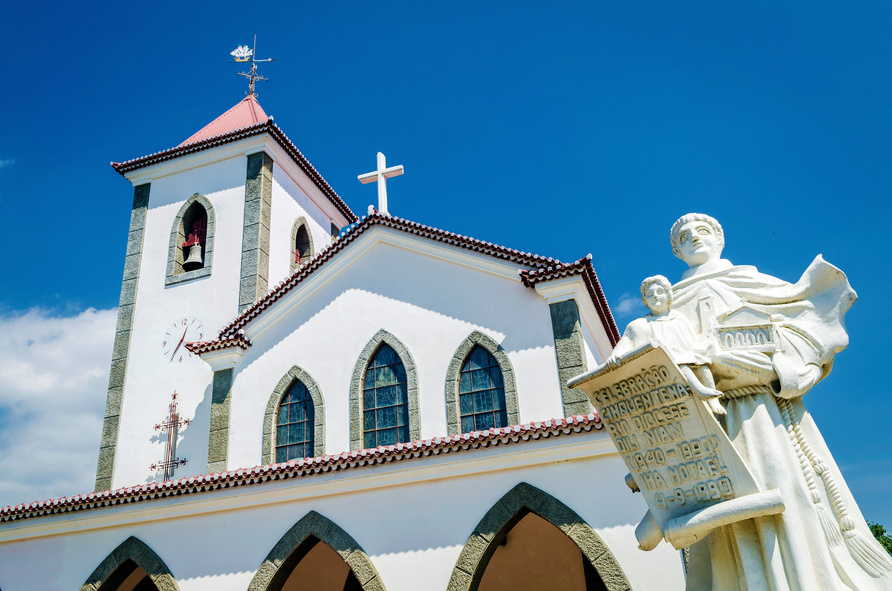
561 130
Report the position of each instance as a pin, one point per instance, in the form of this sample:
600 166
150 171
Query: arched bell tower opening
194 227
191 250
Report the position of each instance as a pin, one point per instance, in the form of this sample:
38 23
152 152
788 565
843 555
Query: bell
194 260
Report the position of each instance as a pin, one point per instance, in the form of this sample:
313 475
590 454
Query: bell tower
211 228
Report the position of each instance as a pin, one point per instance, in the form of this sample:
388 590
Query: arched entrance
316 554
530 540
132 566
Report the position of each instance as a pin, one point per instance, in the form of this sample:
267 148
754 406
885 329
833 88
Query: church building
302 398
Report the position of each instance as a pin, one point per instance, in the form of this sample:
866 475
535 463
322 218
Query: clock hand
172 355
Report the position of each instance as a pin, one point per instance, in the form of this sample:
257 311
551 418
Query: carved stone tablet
680 457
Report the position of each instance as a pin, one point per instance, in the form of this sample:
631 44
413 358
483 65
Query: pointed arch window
301 244
295 424
385 400
481 393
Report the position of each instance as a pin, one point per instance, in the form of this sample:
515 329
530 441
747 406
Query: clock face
183 330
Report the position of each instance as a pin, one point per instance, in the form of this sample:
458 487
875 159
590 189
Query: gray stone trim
382 336
175 272
506 513
569 348
255 232
123 560
218 438
272 408
299 540
301 221
120 351
453 422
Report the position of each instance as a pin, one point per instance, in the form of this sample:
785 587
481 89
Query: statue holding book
757 500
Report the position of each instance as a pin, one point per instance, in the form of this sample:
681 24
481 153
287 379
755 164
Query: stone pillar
218 439
127 303
569 348
255 234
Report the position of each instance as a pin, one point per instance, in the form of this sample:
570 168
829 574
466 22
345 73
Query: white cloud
629 305
53 380
7 162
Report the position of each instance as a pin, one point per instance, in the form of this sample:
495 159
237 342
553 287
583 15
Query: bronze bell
194 260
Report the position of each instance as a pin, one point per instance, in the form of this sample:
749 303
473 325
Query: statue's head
697 238
656 293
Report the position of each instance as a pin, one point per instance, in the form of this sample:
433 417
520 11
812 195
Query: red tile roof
307 467
472 244
245 113
584 268
233 136
238 340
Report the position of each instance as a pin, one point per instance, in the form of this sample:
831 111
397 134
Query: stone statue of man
821 540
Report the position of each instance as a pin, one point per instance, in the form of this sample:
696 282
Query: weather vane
243 53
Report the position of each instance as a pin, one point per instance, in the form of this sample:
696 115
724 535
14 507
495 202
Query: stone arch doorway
526 533
132 566
316 554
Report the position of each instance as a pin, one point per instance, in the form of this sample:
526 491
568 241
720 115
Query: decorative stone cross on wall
381 175
171 426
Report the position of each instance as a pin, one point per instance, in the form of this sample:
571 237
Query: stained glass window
481 393
385 400
295 424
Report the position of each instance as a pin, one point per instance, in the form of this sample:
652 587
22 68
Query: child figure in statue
676 336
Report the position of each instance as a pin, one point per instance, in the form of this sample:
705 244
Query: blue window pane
368 398
467 424
400 373
385 356
479 358
369 440
464 382
282 416
296 433
403 415
369 379
386 417
482 401
502 418
368 420
484 421
496 375
297 412
309 449
498 399
402 395
404 435
385 376
282 435
295 452
386 396
480 379
466 404
281 456
387 437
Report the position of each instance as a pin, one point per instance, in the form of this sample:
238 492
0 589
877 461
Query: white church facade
360 403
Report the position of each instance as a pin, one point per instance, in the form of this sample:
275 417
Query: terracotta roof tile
584 268
307 467
237 340
245 113
233 136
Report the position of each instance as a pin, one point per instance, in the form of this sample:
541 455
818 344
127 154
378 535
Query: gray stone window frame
299 540
109 576
294 374
301 221
178 236
477 338
368 352
521 500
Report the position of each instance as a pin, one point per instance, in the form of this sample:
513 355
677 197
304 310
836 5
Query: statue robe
801 549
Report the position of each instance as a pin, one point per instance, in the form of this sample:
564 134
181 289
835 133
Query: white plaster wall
289 203
213 300
431 305
412 518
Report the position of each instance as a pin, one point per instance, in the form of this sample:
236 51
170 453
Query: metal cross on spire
381 175
171 426
243 53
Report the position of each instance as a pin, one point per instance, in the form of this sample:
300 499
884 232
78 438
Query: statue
762 343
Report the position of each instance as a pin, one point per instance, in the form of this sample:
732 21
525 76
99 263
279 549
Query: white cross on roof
381 175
